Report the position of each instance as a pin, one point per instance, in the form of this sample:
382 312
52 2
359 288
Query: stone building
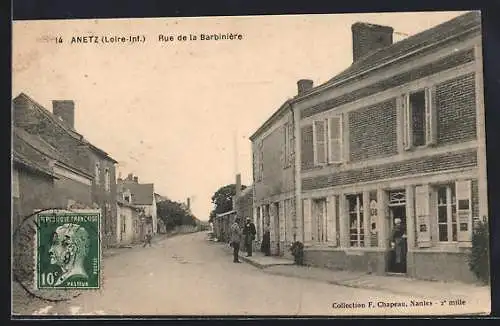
274 177
87 173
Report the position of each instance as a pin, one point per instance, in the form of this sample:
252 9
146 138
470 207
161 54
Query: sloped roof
142 193
462 24
71 131
40 145
33 165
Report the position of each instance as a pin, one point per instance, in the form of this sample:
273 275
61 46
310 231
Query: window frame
319 222
97 173
360 230
450 205
430 118
327 123
107 179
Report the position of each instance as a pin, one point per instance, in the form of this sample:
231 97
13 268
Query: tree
223 200
173 214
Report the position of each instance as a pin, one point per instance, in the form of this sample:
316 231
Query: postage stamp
68 250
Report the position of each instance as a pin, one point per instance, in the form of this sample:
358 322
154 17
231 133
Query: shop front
419 227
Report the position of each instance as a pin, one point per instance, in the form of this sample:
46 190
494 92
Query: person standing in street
249 232
147 239
236 239
266 240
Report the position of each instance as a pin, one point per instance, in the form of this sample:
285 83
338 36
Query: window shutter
284 147
463 191
430 116
306 206
319 138
407 132
422 209
291 141
331 227
335 139
282 216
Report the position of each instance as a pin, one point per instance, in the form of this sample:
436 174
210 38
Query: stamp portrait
68 250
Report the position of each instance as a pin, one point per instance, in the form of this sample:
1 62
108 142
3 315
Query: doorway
276 227
398 246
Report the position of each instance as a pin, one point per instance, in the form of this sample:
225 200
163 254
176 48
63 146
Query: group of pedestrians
247 234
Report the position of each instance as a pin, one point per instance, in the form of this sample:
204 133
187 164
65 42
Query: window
15 183
319 220
124 223
126 198
260 162
356 225
288 144
447 213
419 114
107 180
327 139
97 173
320 142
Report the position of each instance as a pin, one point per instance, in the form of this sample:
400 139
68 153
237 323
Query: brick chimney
136 179
238 184
188 203
65 110
304 85
367 38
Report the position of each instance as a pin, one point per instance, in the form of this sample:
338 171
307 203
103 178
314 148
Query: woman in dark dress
266 241
398 243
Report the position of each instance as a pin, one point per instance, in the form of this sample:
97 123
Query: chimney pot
238 184
65 111
304 85
367 38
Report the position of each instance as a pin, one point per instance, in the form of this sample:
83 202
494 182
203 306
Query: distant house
129 223
77 158
140 195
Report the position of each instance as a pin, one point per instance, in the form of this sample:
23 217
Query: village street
187 274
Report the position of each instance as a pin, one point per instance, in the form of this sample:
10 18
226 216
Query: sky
179 114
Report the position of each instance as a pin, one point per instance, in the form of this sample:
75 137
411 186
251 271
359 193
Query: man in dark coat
249 232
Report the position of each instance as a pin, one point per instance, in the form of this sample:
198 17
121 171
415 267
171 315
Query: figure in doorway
266 240
398 244
249 232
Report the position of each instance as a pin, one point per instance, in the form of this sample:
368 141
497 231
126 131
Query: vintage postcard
289 165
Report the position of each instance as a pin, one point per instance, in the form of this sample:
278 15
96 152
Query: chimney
188 203
238 184
367 38
304 85
130 177
65 110
136 179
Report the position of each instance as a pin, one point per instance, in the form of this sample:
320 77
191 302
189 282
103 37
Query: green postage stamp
68 250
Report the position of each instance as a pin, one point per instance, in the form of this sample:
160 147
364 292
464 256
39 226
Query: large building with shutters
398 135
274 190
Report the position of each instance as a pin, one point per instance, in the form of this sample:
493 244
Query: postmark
68 250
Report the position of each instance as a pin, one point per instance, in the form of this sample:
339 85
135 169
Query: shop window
356 225
319 220
447 214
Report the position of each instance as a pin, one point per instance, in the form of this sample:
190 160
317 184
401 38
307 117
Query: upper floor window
107 180
97 173
327 140
260 162
419 115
